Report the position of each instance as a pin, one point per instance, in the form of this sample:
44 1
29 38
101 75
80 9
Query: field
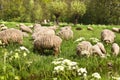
16 64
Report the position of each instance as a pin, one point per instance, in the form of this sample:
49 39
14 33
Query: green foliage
57 7
78 8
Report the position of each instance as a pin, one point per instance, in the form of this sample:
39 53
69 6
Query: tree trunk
76 19
56 20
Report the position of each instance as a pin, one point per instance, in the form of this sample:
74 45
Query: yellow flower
16 55
24 54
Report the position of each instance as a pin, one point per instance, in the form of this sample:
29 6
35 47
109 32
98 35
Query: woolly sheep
84 48
25 28
65 28
115 49
43 31
89 28
36 27
3 28
11 35
108 36
65 33
102 48
48 42
116 29
99 49
25 34
96 50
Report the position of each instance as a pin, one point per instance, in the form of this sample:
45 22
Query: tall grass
41 67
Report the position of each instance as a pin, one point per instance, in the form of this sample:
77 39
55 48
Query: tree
57 8
77 9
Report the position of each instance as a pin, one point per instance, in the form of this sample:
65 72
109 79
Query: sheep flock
51 38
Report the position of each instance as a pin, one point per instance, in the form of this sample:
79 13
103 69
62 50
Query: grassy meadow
16 64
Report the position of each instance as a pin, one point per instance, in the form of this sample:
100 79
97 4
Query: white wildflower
82 70
80 39
24 48
54 78
57 62
66 62
116 78
59 68
96 75
17 78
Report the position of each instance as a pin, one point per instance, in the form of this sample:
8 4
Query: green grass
41 68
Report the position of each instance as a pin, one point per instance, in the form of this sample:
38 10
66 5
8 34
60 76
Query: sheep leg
56 51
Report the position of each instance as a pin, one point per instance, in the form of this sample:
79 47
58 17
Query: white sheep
48 42
84 48
102 48
115 49
99 49
25 28
11 35
116 29
89 28
43 31
108 36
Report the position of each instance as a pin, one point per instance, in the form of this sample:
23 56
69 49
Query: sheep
65 33
99 49
25 34
108 36
43 31
47 41
116 29
25 28
3 28
89 28
36 27
115 49
84 48
11 35
65 28
102 48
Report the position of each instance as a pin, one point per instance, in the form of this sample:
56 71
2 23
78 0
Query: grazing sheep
36 27
89 28
11 35
65 33
99 49
65 28
2 25
116 29
108 36
48 42
102 48
25 34
25 28
115 49
84 48
3 28
43 31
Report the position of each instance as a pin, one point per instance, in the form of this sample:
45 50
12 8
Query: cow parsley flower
59 68
96 75
24 48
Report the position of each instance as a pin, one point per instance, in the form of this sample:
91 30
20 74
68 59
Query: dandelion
96 75
80 39
24 48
